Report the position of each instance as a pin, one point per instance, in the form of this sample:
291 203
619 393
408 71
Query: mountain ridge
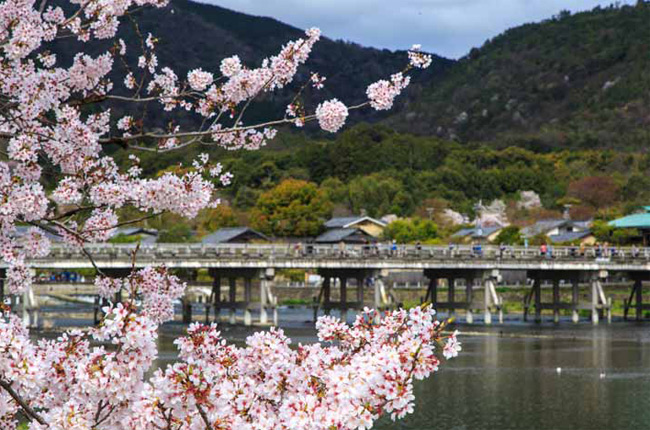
570 81
192 35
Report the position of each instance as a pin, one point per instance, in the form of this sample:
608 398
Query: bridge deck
306 256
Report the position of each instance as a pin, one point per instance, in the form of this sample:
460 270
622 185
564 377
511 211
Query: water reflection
503 382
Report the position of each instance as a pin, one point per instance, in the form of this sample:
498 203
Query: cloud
447 27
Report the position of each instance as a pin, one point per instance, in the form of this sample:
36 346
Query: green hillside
573 81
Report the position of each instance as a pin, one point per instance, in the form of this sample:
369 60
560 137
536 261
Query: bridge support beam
383 297
594 302
575 298
248 316
186 300
325 301
490 298
29 305
636 295
267 300
344 298
597 306
556 301
245 300
469 286
3 275
215 299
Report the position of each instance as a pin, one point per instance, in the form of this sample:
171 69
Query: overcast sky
445 27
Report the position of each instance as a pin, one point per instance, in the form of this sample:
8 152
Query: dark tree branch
29 412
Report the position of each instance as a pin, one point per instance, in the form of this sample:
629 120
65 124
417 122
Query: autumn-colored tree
596 191
210 220
292 208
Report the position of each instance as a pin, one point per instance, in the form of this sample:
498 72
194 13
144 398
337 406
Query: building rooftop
130 231
347 222
569 237
229 234
147 236
336 235
632 221
467 232
543 226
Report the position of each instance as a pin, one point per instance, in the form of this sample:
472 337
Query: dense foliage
292 208
412 230
574 81
380 171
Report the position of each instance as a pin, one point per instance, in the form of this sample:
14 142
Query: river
507 376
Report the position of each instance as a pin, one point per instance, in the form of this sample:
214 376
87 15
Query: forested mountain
192 35
572 81
578 80
561 108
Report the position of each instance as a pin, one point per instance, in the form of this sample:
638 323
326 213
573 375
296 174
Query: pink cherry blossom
199 80
55 120
419 59
331 115
231 66
382 93
452 347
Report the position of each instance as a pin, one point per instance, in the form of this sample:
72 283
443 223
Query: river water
507 376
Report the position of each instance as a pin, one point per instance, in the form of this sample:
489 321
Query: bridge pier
29 305
246 303
575 298
343 305
636 295
266 297
232 299
598 303
3 276
383 297
29 308
490 298
215 299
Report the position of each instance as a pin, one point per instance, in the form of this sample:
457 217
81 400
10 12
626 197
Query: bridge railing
320 251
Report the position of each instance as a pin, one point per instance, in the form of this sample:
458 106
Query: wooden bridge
366 266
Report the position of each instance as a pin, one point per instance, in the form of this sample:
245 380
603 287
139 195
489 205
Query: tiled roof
543 226
228 234
338 235
569 237
345 222
129 231
485 231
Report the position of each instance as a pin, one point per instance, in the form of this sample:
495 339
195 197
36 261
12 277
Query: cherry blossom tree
55 126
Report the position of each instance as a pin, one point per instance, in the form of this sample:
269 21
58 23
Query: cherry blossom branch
126 139
72 212
204 417
29 412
